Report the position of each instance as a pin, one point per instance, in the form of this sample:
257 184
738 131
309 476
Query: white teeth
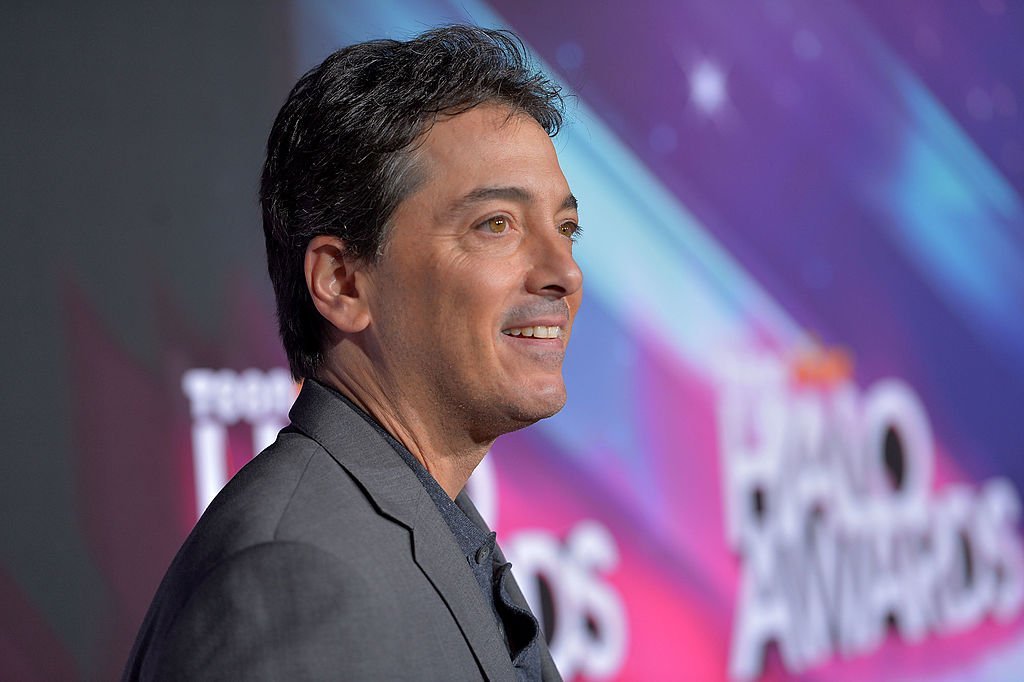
538 332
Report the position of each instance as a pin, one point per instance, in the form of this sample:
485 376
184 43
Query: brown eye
570 229
495 225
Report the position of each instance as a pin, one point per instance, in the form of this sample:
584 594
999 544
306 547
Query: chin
517 409
543 404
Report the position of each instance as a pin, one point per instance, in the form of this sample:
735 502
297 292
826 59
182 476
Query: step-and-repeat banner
793 443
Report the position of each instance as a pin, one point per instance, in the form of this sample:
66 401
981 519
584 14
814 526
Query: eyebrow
517 194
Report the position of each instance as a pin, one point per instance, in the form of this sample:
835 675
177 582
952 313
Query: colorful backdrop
793 443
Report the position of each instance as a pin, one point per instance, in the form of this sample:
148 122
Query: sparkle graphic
708 87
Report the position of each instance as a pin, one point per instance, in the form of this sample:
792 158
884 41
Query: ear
335 284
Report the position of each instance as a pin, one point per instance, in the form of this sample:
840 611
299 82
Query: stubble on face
448 286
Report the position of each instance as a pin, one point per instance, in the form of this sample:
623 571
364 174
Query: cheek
464 296
483 288
404 305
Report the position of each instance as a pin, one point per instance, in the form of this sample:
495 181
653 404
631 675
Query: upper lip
538 313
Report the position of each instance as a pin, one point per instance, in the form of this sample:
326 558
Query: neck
447 452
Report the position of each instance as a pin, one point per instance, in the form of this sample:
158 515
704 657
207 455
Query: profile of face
472 303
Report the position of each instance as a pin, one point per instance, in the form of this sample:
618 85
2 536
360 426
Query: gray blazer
323 559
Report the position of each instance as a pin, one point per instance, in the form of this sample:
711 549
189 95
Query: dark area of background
132 133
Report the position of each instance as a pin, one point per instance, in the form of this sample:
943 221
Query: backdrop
792 448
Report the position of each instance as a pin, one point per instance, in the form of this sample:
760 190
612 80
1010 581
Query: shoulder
293 493
290 544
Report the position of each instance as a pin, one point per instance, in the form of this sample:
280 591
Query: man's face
473 300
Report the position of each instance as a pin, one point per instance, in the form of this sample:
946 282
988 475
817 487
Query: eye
495 225
571 229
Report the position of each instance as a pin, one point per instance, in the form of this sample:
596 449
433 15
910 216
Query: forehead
488 145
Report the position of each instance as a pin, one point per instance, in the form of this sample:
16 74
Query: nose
554 272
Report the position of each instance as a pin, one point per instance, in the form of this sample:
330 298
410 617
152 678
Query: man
419 236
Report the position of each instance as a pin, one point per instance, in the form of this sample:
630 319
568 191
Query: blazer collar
356 445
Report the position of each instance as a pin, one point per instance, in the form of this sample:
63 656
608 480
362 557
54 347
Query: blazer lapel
398 494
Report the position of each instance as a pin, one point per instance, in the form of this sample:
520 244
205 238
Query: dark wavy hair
340 154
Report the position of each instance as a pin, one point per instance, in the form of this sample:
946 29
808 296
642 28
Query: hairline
410 172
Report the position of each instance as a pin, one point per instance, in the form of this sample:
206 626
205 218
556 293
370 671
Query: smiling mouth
539 332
